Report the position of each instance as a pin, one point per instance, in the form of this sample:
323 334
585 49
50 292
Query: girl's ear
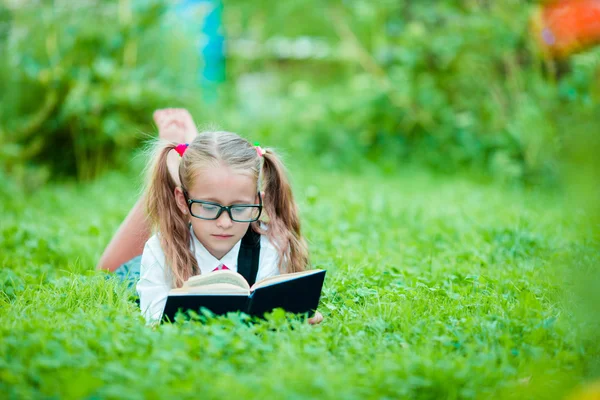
180 199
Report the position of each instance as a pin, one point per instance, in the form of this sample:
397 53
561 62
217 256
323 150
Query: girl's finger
316 319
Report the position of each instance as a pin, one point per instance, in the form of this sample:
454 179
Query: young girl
227 205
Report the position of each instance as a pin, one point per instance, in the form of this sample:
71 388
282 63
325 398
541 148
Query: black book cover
298 295
219 304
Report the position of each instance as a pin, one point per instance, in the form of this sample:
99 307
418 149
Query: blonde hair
214 149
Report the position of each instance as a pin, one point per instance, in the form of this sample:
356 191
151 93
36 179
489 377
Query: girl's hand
316 319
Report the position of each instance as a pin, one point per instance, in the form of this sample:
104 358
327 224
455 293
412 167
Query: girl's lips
222 236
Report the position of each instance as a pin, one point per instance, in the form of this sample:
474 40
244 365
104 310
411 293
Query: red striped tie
220 267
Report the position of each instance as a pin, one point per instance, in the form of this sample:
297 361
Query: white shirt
155 282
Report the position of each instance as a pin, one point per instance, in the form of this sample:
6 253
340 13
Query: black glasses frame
190 202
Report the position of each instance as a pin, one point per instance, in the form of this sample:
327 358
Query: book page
221 276
215 288
282 278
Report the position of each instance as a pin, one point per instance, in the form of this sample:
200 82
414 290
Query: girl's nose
224 221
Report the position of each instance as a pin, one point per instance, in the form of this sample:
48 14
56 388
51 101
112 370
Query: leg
175 125
129 240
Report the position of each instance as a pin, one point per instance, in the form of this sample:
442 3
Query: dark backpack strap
249 255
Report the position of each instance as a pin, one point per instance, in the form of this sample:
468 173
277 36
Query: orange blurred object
566 26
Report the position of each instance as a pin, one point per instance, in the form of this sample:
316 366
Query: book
226 291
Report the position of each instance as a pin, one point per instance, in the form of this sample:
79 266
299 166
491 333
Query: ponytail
284 222
168 220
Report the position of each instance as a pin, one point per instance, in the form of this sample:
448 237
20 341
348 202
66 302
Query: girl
227 205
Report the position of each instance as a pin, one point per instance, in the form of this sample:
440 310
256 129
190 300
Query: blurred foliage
581 276
80 80
456 86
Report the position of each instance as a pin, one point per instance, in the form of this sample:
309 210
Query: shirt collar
207 262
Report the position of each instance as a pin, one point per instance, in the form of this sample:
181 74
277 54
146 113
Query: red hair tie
259 149
181 148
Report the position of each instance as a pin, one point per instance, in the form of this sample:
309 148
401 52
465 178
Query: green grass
436 288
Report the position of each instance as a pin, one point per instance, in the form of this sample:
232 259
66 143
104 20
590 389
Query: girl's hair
227 149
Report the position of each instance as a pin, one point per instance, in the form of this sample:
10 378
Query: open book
224 291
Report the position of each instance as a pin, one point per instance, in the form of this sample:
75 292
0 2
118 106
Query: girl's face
227 187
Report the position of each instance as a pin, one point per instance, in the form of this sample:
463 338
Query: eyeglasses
238 212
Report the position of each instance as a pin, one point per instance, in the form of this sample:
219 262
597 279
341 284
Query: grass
436 288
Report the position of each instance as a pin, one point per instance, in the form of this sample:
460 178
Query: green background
445 171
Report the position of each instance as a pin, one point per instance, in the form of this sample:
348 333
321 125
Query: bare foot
175 125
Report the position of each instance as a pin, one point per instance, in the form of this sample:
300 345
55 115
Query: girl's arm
153 286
